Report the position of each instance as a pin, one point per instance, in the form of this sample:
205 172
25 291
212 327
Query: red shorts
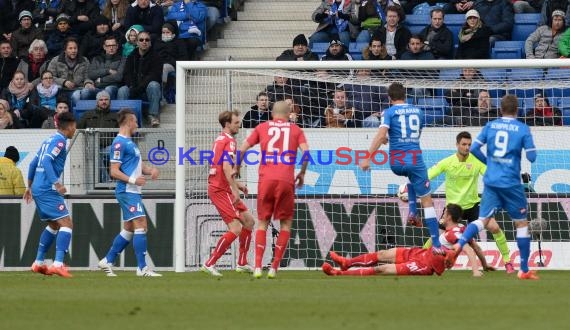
222 200
275 198
413 261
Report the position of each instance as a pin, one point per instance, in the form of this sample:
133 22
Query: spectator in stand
499 16
458 6
24 35
473 38
70 71
170 49
131 39
394 36
101 117
564 44
57 37
17 94
190 16
11 180
45 13
367 99
416 50
92 41
546 38
215 8
548 6
259 113
51 121
299 52
279 90
142 76
438 39
9 13
375 50
106 71
371 14
43 100
527 6
466 93
480 115
8 64
81 14
116 12
148 15
543 113
340 114
7 120
36 61
336 51
335 18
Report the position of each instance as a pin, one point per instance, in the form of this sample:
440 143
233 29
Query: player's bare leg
260 243
280 246
244 243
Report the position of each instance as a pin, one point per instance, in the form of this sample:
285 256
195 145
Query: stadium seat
497 75
527 105
434 109
558 74
86 105
506 53
527 74
356 47
415 23
525 24
356 56
320 48
449 74
523 93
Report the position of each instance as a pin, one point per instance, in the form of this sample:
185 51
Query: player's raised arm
529 148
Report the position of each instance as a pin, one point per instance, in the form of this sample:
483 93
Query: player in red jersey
410 261
279 141
224 192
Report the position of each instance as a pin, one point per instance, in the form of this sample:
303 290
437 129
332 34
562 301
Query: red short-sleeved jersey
224 148
279 141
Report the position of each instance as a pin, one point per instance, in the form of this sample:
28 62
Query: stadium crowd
69 50
344 26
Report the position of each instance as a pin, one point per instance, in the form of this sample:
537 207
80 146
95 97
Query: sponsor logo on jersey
61 207
468 166
132 209
117 154
117 145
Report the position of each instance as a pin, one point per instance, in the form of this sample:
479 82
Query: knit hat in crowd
24 13
472 13
171 26
62 17
101 20
557 12
300 40
12 153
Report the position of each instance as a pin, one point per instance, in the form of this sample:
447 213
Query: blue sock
139 243
523 243
472 229
62 243
119 244
433 226
46 240
412 199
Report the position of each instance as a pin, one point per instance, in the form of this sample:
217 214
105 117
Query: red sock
359 272
260 242
364 260
221 248
280 247
244 241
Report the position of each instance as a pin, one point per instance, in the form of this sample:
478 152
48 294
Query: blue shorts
512 199
50 205
131 205
417 175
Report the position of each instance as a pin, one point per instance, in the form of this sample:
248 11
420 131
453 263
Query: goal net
339 105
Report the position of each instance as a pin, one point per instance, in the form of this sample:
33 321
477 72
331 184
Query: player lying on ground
411 261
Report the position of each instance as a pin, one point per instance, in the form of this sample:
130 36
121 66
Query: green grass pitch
295 300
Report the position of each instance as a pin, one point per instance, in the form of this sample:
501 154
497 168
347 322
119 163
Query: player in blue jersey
401 126
505 138
47 191
127 168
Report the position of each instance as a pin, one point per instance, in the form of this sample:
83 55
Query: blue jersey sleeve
529 147
117 151
386 118
54 150
32 168
478 143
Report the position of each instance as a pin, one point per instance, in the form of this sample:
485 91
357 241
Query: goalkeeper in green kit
462 171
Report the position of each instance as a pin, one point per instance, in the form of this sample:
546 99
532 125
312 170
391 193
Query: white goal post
218 82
